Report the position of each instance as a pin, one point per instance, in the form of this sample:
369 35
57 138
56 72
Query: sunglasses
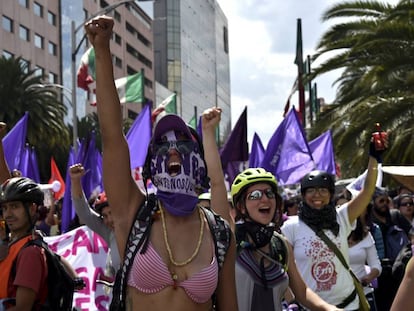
407 204
182 146
323 192
258 194
382 201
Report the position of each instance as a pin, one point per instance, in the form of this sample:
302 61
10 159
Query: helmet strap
32 220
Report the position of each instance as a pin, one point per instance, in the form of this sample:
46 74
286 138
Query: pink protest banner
86 251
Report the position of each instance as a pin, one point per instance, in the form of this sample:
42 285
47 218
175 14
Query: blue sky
262 39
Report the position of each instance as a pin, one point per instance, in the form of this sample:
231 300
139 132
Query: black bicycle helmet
318 179
21 189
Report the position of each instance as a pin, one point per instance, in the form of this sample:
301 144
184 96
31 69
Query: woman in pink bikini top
178 271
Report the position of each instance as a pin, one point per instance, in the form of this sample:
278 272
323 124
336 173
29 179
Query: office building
192 56
31 30
131 46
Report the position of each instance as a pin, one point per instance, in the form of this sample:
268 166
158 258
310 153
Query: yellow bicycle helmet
251 176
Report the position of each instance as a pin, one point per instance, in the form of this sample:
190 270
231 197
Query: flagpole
299 63
308 70
74 51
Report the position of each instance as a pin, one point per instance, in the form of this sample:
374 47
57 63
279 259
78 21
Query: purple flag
28 164
14 142
323 152
287 155
200 128
25 162
233 169
236 146
86 155
138 137
257 152
34 165
92 162
68 212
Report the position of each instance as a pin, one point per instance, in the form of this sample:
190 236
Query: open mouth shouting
265 210
174 168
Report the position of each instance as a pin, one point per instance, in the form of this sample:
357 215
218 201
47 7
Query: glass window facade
7 23
38 9
195 64
24 3
38 41
24 33
51 18
52 48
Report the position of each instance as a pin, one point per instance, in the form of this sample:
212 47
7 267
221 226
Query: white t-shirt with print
321 270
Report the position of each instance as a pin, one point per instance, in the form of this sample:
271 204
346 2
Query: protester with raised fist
319 222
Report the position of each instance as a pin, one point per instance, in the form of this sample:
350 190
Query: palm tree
374 47
20 91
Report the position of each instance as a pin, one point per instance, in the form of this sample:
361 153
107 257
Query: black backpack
60 284
395 239
398 268
139 237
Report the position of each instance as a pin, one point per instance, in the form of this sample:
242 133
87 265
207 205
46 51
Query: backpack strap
221 232
137 239
279 249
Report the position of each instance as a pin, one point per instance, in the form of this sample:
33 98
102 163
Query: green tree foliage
373 42
21 90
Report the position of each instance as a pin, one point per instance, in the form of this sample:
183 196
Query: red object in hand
379 138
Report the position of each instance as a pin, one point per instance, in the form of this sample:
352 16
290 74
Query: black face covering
260 234
318 219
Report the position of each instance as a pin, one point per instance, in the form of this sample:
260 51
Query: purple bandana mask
178 193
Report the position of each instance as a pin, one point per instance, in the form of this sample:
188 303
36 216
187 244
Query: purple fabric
257 152
34 165
323 152
24 164
287 155
236 147
170 122
92 161
138 137
28 164
233 169
200 128
14 142
68 212
190 177
178 204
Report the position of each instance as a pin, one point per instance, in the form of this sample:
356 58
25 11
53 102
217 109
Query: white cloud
262 38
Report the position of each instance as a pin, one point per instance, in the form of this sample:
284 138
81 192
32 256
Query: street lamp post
74 51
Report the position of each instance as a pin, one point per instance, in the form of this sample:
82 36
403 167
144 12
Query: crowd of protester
299 247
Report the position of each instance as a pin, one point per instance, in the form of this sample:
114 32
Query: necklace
167 244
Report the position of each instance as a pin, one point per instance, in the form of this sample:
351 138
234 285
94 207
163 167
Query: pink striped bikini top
149 274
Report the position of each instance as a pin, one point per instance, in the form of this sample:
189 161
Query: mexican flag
131 88
86 71
167 106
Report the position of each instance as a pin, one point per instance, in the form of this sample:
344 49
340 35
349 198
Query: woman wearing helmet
320 267
265 266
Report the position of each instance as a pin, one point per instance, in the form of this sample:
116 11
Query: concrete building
192 56
31 30
184 46
132 46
